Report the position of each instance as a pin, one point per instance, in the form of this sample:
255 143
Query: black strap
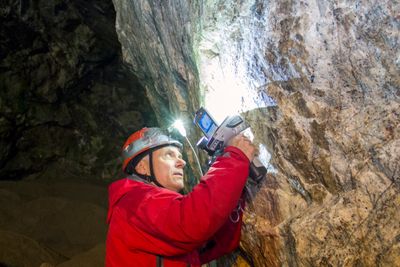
148 178
159 261
152 174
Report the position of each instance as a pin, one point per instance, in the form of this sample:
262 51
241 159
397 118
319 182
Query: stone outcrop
332 70
67 102
157 41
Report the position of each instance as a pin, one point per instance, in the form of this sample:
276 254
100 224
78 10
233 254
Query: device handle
257 170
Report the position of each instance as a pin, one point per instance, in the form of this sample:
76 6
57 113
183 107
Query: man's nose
180 163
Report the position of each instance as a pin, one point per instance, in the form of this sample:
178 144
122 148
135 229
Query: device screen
206 123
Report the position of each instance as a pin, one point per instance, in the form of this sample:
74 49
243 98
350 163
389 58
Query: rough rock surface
157 41
333 69
67 102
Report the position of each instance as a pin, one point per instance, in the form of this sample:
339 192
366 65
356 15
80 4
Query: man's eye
173 154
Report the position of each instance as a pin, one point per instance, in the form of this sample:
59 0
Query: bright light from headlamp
178 124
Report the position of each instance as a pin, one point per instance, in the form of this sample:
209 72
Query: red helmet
144 140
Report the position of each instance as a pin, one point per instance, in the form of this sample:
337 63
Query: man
152 224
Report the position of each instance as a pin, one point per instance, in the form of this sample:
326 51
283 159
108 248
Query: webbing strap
159 261
161 264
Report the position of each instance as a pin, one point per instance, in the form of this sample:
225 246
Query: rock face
157 42
333 70
67 102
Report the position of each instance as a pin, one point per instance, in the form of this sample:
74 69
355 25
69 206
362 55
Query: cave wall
333 69
67 104
67 101
335 135
157 41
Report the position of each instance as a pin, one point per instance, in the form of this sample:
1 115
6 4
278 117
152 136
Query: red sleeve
187 222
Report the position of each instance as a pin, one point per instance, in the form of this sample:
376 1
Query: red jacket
145 220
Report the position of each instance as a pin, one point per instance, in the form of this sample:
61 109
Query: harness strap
159 261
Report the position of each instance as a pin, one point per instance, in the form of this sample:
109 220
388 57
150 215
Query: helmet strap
145 177
152 174
152 177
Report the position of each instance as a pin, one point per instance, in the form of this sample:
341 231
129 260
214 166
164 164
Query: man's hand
243 143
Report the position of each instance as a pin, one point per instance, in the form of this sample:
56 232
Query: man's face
168 167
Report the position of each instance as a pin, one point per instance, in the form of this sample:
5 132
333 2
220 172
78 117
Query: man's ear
143 166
